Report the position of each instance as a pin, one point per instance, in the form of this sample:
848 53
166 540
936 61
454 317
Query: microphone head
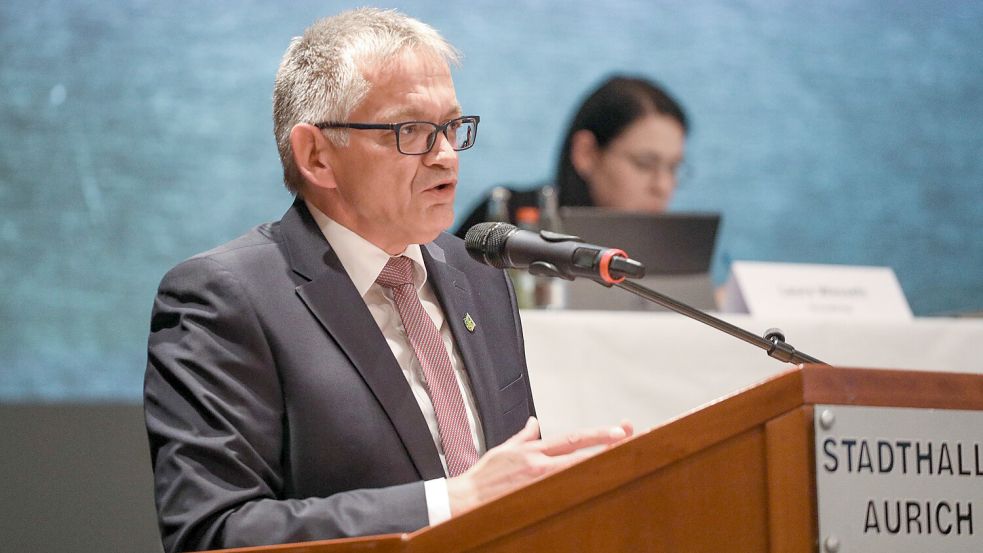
485 243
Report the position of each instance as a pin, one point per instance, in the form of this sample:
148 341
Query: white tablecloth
595 368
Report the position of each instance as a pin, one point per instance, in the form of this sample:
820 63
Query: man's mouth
442 187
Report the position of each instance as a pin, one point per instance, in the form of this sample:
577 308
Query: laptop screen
666 243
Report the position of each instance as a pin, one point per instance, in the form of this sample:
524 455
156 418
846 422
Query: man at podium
347 370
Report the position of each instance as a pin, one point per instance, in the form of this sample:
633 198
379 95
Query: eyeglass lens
419 137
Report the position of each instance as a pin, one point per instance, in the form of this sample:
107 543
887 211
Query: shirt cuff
438 500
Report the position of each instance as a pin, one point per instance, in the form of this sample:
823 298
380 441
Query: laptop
676 249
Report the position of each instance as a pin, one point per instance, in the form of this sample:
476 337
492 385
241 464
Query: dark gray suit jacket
275 409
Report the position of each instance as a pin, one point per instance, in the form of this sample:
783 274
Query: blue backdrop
136 133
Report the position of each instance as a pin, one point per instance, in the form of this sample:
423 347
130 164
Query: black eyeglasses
415 138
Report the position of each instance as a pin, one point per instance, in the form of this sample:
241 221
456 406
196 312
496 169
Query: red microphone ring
605 268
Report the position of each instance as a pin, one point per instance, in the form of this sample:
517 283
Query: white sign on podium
899 480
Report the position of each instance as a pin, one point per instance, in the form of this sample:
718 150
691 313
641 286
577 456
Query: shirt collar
363 260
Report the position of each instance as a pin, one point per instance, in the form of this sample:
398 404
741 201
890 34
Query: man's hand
523 458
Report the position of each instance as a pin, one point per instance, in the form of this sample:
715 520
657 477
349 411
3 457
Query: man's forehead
406 112
406 65
411 86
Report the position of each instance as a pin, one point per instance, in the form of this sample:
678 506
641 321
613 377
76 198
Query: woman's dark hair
607 112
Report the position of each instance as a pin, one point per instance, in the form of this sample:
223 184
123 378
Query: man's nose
442 154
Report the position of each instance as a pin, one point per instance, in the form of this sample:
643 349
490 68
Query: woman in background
623 150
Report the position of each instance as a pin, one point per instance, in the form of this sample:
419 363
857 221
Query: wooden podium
735 475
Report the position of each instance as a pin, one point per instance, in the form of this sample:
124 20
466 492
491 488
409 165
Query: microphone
546 253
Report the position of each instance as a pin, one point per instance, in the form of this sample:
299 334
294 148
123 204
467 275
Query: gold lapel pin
469 322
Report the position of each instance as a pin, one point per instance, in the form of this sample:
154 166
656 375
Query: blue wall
137 133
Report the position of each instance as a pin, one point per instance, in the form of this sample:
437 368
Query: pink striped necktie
438 373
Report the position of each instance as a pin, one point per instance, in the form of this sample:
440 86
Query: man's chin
442 217
430 234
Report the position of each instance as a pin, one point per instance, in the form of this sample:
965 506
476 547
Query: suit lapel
333 300
456 298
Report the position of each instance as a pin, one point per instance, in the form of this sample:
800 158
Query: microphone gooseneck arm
773 341
550 254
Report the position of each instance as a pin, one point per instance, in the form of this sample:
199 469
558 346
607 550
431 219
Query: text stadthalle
911 457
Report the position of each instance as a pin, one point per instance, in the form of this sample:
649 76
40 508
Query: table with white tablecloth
591 368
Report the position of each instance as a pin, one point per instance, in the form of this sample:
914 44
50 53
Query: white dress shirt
363 261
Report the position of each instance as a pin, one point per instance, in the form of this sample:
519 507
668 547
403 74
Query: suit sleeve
214 410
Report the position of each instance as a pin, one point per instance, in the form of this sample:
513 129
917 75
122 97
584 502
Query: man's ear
311 155
584 152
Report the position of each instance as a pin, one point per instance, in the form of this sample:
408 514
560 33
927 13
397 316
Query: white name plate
839 291
899 480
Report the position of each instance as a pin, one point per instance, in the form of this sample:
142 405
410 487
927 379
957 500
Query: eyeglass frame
680 171
395 127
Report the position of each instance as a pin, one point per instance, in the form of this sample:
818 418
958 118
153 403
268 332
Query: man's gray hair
320 77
